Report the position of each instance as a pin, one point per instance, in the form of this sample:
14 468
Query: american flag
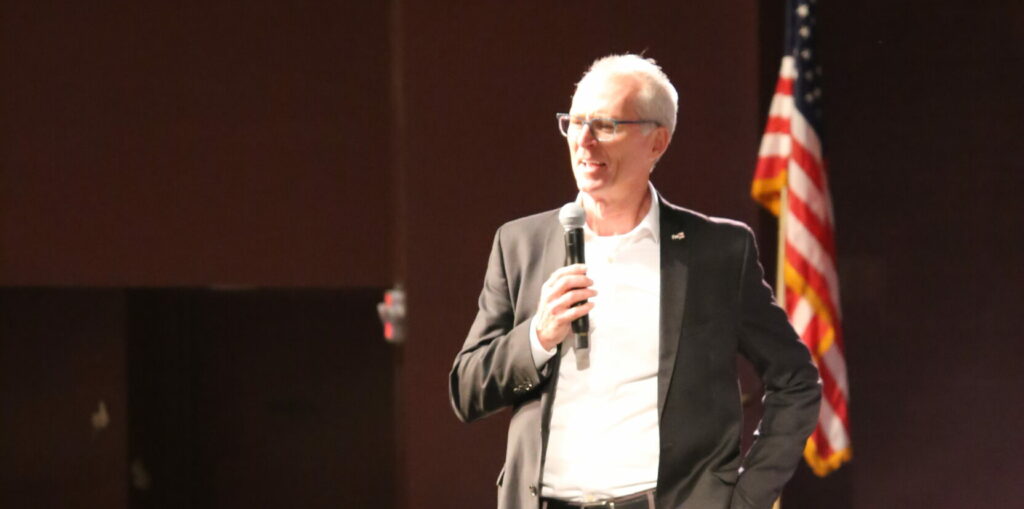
791 182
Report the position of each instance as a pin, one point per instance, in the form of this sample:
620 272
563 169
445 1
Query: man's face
616 169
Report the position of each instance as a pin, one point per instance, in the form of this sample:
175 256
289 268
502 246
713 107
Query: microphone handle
574 253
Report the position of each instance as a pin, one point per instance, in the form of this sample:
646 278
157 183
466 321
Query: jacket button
533 490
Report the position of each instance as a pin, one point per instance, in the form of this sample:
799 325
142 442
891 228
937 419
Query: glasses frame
615 123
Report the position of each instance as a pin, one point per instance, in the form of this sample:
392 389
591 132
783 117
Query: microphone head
572 216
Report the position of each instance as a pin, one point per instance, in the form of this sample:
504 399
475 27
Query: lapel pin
678 236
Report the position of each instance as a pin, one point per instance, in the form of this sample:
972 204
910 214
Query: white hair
656 100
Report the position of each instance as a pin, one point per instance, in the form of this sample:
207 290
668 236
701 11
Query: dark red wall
169 144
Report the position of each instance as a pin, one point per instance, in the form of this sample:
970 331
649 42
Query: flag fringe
766 191
821 465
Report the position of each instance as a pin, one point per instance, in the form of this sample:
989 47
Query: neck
615 217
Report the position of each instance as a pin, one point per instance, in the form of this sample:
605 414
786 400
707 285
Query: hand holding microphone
563 302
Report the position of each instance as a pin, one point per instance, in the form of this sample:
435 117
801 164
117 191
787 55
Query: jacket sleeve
791 384
495 366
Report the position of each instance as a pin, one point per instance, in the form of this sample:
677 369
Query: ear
660 142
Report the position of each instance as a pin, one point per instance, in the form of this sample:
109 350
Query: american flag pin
678 236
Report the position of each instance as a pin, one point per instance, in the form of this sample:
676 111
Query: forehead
607 95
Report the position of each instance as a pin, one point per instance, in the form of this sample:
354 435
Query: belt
641 500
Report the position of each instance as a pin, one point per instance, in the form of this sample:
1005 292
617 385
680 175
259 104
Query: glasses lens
603 128
563 124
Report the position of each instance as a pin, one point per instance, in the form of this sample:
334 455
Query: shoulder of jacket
530 225
703 222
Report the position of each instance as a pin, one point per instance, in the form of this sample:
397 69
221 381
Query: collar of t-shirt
648 226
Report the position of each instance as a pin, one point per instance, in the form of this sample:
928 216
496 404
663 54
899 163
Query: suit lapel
675 252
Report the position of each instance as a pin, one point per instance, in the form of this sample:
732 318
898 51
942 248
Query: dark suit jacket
714 304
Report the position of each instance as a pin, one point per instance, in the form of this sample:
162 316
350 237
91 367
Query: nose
586 136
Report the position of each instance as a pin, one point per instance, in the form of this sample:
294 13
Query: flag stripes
790 180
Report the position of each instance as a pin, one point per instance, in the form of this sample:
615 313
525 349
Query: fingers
571 297
566 278
566 286
560 294
577 269
574 312
569 283
554 327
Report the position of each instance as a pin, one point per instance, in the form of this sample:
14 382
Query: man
649 415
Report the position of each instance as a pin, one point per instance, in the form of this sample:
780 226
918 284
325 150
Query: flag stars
803 10
805 54
805 31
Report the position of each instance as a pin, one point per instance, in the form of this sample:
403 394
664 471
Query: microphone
573 218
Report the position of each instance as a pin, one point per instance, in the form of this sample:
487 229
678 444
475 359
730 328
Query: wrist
541 352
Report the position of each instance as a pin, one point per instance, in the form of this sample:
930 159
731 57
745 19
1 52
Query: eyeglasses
603 129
